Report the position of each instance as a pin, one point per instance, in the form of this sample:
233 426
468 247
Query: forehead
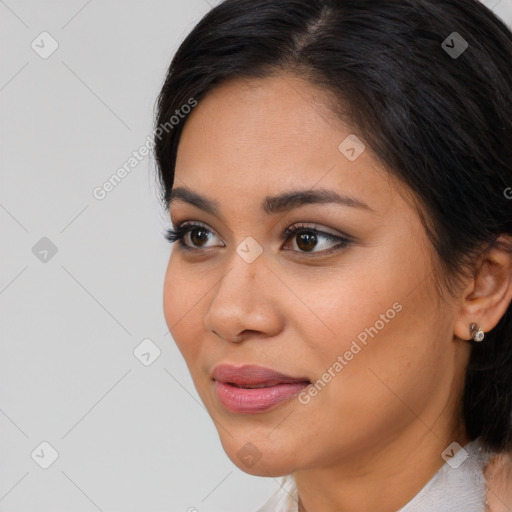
261 122
251 138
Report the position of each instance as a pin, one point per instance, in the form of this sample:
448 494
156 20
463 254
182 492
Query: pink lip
231 384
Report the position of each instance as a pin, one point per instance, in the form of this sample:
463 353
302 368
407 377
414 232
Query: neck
387 479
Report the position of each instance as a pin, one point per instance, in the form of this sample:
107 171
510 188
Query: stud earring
476 333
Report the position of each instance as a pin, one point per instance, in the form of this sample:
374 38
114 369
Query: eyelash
183 229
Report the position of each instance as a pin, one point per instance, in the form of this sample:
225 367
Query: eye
306 239
311 240
190 235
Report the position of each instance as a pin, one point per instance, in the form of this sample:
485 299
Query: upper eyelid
193 223
188 225
314 227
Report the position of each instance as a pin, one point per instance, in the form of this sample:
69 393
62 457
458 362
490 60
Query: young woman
338 175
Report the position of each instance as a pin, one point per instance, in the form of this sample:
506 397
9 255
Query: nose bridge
240 285
242 300
247 270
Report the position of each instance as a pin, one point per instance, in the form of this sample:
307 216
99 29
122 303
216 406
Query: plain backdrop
97 409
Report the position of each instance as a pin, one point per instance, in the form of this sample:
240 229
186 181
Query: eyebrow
271 204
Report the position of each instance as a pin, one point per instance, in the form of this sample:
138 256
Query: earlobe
487 296
469 331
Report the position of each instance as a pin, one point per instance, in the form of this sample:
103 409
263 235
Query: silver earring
476 333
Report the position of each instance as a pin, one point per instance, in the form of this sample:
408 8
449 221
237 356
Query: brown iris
306 241
199 236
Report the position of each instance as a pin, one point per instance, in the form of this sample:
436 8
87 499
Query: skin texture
375 433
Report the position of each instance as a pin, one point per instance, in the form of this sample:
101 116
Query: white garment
451 489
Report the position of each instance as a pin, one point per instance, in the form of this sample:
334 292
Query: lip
236 387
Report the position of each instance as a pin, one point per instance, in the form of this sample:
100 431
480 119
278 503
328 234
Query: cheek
348 308
182 308
379 339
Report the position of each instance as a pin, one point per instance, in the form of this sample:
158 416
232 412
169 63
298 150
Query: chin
258 456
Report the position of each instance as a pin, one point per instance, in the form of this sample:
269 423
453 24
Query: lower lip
250 401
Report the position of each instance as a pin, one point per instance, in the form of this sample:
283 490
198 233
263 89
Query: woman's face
359 321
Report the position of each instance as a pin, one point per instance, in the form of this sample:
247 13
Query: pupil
199 235
306 241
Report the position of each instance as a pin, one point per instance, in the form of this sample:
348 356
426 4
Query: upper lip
251 375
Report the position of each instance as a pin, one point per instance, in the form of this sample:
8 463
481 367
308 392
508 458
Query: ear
488 293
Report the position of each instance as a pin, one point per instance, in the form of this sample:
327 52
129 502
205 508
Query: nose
245 304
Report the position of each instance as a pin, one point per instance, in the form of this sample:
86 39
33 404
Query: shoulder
498 476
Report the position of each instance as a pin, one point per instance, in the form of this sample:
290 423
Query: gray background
130 433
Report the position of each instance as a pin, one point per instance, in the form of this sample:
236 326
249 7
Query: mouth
254 389
255 386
